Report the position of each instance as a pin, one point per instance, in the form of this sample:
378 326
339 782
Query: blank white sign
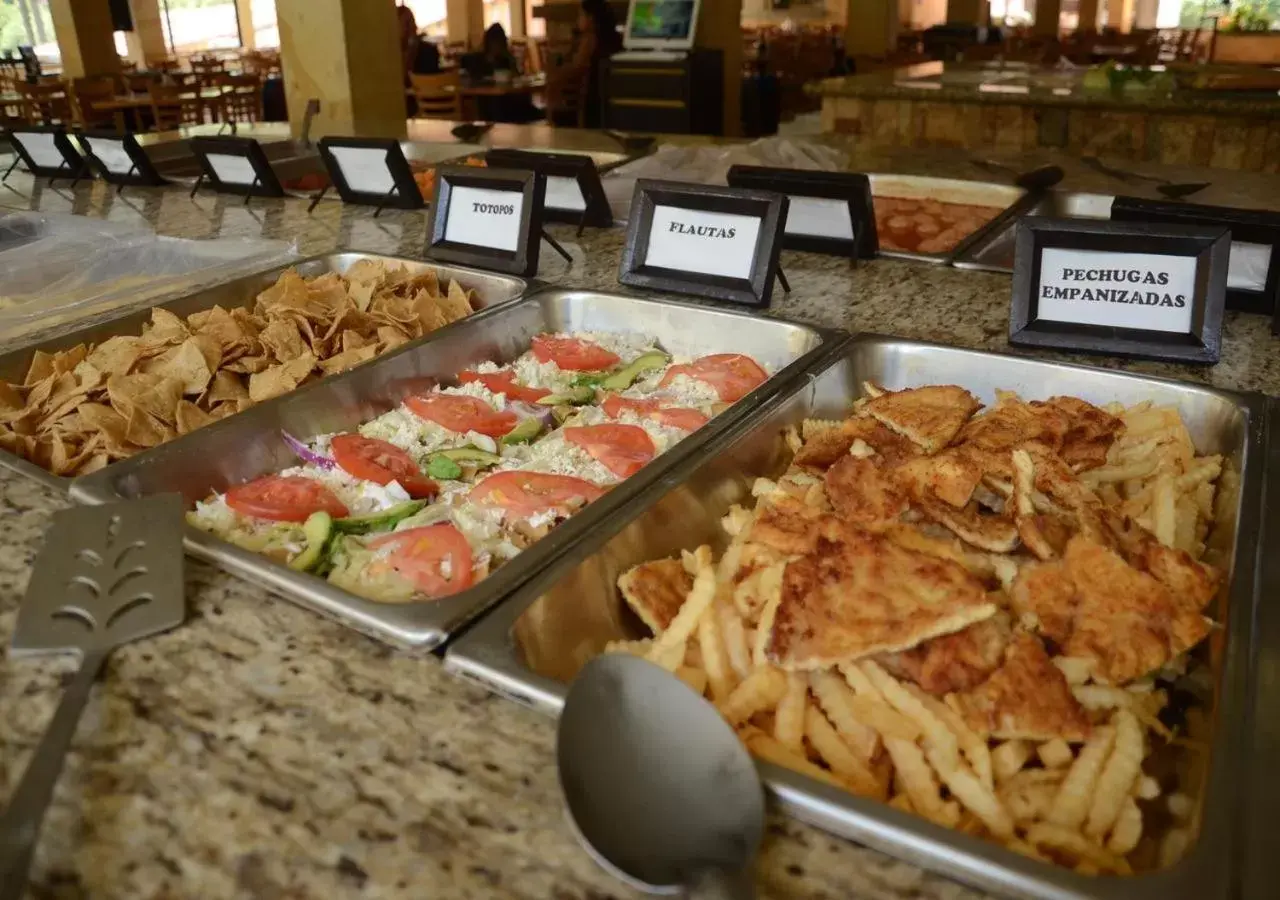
708 243
1247 270
364 169
485 217
819 217
112 155
232 169
563 193
41 148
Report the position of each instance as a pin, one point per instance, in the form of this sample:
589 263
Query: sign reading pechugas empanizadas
1126 289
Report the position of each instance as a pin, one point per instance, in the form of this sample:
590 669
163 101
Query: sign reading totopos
490 218
1125 289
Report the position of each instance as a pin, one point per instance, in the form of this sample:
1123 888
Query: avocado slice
562 414
574 396
627 375
317 529
523 433
379 521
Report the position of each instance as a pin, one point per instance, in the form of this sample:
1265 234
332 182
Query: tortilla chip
280 379
10 398
154 394
249 365
192 363
116 355
226 386
282 339
190 417
143 430
345 360
66 360
353 340
431 315
165 326
40 368
106 420
457 303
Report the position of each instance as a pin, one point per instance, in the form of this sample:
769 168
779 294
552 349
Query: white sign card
364 169
41 148
819 217
112 155
707 243
564 193
1247 270
484 217
1148 291
231 168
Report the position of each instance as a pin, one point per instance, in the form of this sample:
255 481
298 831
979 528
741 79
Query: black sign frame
73 163
265 183
1249 225
1200 345
524 260
143 173
852 187
404 193
582 169
755 291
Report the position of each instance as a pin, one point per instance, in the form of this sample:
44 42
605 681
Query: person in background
497 51
576 85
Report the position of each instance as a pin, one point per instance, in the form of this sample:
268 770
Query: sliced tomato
731 374
462 414
504 382
573 353
671 416
436 558
524 494
284 498
381 462
622 449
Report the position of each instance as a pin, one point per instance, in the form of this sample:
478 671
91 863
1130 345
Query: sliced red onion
306 454
544 414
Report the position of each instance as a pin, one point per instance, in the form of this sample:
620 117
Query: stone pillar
244 18
1047 14
1144 13
85 39
465 22
518 29
146 41
346 54
1088 16
871 27
967 12
1119 15
720 28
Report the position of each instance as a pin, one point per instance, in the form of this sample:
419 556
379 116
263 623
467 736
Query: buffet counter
263 751
1016 106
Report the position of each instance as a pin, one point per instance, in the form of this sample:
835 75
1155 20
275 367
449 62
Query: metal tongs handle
20 821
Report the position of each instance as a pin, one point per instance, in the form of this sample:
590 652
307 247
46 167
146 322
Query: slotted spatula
106 575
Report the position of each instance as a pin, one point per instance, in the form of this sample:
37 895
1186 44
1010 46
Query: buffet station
654 486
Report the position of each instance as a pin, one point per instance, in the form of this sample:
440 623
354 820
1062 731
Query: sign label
485 217
1147 291
364 169
563 192
113 156
819 217
708 243
232 169
1249 265
41 148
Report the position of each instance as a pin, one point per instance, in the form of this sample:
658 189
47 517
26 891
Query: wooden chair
438 96
137 84
207 65
242 101
171 110
47 102
533 59
89 92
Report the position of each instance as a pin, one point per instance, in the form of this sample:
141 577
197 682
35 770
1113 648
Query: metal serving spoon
659 788
1164 187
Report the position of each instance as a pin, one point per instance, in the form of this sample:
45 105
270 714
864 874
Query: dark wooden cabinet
684 96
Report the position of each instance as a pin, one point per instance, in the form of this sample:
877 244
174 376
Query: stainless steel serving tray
249 444
947 190
993 251
490 289
532 645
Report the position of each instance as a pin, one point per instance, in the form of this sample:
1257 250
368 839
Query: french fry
1164 509
1071 805
695 678
1025 849
836 754
1118 775
1055 753
1127 830
902 802
670 657
770 587
686 620
697 560
761 690
971 792
1008 758
1058 838
918 781
935 732
1180 806
735 521
835 698
1173 846
1028 802
1147 788
631 648
1123 472
734 633
792 438
765 747
715 658
973 746
788 718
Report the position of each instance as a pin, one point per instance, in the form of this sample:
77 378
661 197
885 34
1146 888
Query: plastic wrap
58 268
710 165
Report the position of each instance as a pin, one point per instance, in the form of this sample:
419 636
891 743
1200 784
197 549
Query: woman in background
576 85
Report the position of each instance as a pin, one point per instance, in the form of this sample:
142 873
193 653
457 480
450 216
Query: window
534 27
498 11
193 26
266 33
27 23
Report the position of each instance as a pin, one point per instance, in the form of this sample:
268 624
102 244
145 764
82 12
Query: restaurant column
720 28
85 40
967 12
465 22
244 19
1047 15
518 29
1119 15
1087 16
346 54
871 28
146 41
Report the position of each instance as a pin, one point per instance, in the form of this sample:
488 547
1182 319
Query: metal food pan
528 649
248 445
994 250
490 289
946 190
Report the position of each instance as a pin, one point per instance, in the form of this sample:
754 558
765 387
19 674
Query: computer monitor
661 24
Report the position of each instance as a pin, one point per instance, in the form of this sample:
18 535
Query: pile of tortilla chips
80 409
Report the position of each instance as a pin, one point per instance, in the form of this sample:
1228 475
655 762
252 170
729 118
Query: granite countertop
1022 84
261 751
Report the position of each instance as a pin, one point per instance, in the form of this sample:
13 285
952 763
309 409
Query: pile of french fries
856 727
